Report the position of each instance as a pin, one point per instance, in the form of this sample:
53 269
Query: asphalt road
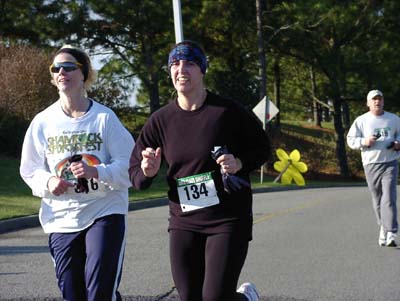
311 244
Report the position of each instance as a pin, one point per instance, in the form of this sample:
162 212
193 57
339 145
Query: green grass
15 196
15 206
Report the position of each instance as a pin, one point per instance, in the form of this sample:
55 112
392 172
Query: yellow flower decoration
290 167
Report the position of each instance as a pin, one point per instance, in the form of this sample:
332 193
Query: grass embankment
317 148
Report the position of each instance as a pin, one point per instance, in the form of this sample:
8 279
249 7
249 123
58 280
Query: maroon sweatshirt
187 139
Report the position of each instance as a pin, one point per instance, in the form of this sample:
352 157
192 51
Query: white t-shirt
51 139
386 125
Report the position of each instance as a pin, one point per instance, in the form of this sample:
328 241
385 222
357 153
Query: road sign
265 111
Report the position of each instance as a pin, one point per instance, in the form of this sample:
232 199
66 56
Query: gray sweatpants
382 181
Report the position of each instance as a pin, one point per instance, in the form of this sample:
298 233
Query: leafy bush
25 90
25 84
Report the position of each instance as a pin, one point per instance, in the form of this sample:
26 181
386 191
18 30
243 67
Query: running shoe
249 290
382 237
390 242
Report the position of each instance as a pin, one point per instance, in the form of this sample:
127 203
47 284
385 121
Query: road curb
19 223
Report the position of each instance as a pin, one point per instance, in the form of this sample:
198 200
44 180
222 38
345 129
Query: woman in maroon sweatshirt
210 145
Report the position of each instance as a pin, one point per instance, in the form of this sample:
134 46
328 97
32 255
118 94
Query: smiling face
70 81
186 76
375 105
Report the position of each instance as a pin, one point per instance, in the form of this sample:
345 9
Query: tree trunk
152 82
346 115
316 107
277 90
340 139
326 113
154 93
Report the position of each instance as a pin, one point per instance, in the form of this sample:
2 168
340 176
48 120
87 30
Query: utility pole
177 20
262 68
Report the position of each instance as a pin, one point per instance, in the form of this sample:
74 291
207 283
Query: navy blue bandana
188 53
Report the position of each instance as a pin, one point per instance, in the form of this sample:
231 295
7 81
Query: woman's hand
81 170
229 164
151 161
58 186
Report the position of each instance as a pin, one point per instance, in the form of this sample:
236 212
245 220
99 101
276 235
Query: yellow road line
286 211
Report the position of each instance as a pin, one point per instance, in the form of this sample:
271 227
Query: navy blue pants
88 263
207 267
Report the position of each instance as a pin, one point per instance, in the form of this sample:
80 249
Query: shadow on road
9 251
155 298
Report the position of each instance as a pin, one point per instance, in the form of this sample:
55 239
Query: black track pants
206 267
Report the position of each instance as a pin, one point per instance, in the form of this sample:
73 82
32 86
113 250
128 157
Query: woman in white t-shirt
75 158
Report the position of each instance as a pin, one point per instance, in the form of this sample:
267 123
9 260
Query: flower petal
296 175
300 166
282 155
295 155
280 166
286 178
292 170
299 180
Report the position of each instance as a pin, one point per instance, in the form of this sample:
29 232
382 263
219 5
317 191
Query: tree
40 22
325 35
137 35
228 30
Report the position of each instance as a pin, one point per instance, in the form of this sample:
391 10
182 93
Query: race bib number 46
196 192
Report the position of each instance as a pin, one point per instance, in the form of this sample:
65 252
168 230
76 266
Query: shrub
25 90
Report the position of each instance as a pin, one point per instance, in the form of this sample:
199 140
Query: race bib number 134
197 191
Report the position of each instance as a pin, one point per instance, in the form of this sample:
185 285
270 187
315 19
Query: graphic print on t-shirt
381 133
62 146
74 141
62 170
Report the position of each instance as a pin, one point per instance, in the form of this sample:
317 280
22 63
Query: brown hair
89 74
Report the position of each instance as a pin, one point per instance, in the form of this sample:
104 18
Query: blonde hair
90 75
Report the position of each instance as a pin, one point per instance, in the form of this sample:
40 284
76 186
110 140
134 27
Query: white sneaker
390 239
382 237
249 290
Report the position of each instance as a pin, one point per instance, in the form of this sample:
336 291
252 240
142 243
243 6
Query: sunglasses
67 66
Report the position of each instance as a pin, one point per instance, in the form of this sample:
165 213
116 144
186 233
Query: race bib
196 192
94 187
